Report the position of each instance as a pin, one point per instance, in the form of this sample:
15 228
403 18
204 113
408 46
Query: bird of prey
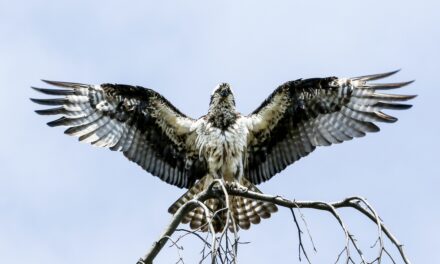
249 149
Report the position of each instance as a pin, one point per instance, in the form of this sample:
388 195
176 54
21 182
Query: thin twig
300 244
307 227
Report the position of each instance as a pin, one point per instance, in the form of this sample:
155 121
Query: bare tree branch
219 189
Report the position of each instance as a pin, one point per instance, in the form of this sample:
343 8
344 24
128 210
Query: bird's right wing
138 121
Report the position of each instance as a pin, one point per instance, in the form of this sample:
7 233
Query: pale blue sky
65 202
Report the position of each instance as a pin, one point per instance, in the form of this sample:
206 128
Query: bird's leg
238 176
237 186
242 188
220 181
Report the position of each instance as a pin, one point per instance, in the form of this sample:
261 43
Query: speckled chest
223 149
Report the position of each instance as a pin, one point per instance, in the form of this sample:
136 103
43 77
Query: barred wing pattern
135 120
303 114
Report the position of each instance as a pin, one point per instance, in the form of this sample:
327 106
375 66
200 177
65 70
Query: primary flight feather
223 144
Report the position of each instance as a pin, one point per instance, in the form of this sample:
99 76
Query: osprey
223 144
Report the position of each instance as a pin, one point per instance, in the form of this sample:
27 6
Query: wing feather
303 114
138 121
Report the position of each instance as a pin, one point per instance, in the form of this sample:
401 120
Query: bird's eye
334 83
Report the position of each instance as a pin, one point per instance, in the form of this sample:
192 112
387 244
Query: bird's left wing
138 121
300 115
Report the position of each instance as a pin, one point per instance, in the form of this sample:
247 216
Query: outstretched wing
300 115
138 121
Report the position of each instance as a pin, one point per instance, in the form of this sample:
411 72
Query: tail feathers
244 211
189 195
247 211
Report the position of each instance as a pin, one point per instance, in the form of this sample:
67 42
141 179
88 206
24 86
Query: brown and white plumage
296 118
135 120
303 114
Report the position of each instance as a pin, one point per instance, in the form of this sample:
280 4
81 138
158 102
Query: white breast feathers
224 150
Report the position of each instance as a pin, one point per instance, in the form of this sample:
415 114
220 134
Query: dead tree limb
219 189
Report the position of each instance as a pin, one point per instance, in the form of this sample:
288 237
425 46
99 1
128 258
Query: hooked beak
224 93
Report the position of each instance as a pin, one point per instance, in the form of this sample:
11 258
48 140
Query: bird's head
222 96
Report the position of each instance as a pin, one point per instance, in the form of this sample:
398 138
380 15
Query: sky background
65 202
